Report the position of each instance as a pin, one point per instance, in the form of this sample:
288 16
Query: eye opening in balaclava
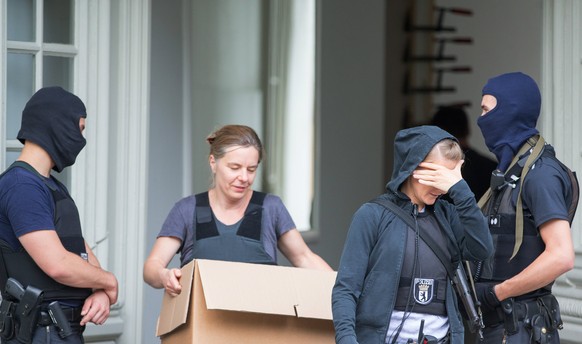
513 120
51 120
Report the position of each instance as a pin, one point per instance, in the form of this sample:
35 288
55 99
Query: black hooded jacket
368 277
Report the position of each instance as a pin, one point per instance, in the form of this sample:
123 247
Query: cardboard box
227 302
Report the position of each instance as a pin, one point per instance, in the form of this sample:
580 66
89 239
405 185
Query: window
40 51
290 117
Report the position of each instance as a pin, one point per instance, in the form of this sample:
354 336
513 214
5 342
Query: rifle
474 319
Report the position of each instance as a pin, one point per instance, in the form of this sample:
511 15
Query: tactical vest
20 265
501 214
243 245
425 293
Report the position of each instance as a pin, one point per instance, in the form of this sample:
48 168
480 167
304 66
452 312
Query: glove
486 296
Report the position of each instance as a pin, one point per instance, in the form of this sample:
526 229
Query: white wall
507 37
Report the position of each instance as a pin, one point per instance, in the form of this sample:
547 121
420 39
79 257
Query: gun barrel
464 293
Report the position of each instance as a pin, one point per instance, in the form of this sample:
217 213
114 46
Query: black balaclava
513 120
51 120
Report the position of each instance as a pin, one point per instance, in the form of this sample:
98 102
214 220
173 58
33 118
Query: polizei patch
423 290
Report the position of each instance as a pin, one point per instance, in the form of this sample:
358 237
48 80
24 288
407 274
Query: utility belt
23 310
540 315
72 315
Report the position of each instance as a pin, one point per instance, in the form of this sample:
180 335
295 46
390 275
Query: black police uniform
533 317
21 267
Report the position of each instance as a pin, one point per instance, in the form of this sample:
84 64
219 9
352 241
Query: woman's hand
438 176
171 281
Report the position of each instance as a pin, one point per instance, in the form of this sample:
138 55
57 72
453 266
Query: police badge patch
423 290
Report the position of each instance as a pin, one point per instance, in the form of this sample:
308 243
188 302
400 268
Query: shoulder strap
258 198
251 225
204 224
407 218
26 166
575 190
3 269
575 194
536 143
538 147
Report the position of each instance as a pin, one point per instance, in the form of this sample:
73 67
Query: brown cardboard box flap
256 288
247 287
174 310
313 292
267 289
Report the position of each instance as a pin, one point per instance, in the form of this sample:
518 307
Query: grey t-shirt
276 221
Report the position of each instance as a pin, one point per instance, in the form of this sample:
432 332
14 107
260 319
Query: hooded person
392 284
42 249
530 207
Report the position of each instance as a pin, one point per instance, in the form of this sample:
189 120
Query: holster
27 312
543 318
7 324
540 316
59 319
510 316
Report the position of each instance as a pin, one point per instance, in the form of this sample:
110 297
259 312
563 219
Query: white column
91 178
128 187
561 125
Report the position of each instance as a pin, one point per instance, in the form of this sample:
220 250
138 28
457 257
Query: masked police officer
530 207
51 282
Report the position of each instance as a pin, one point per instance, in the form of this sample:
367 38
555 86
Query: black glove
486 296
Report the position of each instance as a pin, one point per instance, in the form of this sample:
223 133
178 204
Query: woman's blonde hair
448 149
233 135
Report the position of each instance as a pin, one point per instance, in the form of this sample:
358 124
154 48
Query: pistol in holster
26 302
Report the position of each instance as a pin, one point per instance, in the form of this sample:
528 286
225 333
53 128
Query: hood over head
411 146
513 120
51 120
